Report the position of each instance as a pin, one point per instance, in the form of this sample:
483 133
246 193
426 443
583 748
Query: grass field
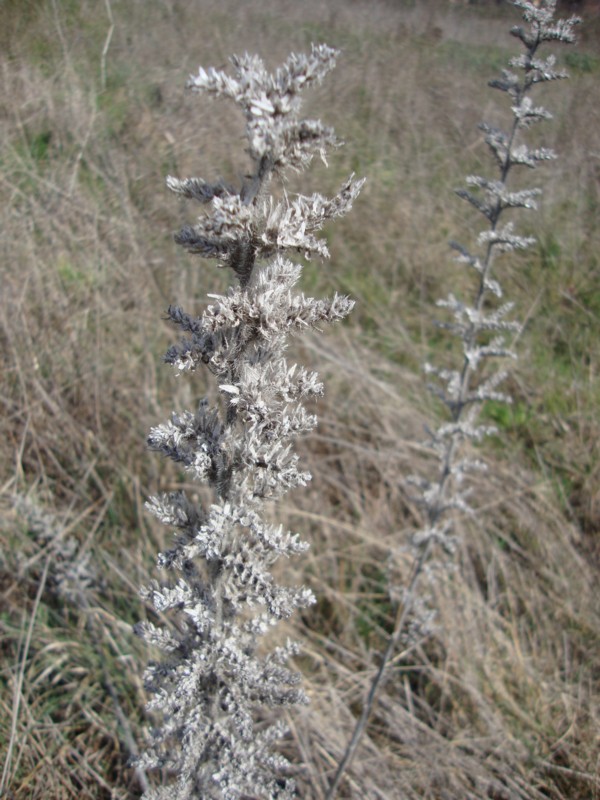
503 701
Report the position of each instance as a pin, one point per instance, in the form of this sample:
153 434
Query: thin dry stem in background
482 325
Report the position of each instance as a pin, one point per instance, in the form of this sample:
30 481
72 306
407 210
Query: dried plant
482 324
214 685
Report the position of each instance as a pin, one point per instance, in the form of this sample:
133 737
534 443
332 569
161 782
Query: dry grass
502 702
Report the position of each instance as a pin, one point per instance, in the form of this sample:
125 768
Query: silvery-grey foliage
213 684
72 575
483 324
485 330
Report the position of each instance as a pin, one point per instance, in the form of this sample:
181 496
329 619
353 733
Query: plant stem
402 612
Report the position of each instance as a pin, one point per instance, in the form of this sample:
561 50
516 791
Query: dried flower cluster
213 684
484 328
483 325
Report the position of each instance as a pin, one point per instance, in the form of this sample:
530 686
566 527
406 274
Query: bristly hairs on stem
214 689
483 325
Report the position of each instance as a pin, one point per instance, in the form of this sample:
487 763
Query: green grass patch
477 59
579 62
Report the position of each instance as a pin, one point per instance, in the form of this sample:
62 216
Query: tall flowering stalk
214 683
482 324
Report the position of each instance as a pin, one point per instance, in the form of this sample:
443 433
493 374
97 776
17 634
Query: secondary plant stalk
482 327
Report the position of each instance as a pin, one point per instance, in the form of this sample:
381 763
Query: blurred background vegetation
502 702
